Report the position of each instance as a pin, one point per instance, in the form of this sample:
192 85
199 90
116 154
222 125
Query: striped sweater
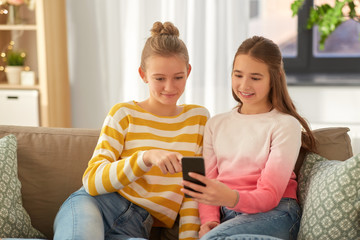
117 164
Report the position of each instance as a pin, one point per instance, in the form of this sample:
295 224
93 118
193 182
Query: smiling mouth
168 95
247 94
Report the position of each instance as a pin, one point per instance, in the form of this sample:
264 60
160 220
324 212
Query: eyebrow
254 74
161 74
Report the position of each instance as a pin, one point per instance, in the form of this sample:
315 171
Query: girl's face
166 77
251 84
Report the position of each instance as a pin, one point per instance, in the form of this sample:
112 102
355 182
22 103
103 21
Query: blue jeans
282 222
109 216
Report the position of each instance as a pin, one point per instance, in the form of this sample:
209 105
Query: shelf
17 27
42 35
17 87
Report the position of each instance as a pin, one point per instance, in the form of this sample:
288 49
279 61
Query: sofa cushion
329 197
332 143
51 162
14 220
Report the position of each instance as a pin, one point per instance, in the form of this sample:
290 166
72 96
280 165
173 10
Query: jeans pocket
147 223
295 214
130 221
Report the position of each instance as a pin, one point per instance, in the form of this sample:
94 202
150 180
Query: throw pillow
329 196
14 220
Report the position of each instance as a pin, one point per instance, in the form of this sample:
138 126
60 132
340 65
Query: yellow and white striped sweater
117 164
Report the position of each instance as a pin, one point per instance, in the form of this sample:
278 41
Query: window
300 46
279 27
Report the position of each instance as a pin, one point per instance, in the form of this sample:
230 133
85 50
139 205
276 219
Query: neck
255 110
160 109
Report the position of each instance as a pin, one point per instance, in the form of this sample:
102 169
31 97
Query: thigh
123 219
281 222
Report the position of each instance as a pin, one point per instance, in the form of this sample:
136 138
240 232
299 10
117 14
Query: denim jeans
109 216
282 222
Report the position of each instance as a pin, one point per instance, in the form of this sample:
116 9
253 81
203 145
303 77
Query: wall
330 106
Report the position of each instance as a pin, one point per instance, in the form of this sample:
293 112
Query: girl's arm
209 213
189 224
106 172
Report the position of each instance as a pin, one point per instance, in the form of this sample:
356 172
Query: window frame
306 62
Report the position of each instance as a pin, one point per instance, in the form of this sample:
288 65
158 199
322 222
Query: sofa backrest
51 162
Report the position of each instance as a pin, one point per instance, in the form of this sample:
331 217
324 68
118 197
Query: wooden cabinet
42 35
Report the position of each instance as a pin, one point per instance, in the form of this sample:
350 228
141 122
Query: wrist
236 199
146 160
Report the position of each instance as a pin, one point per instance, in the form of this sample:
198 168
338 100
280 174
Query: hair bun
166 28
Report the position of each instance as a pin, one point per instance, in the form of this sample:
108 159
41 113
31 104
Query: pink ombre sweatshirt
254 155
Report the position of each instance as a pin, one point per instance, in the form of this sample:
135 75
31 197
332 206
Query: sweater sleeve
189 224
209 213
106 172
278 170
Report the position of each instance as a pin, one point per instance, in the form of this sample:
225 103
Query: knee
77 213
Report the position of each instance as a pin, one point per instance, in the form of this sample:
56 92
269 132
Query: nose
245 84
169 85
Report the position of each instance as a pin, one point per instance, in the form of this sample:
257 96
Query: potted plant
327 17
15 61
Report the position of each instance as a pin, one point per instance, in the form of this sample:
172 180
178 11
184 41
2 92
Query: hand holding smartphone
192 164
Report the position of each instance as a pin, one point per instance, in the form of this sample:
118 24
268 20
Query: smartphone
192 164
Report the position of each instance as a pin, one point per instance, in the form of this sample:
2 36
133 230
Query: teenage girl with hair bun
133 179
250 153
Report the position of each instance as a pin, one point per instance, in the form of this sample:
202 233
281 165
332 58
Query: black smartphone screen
192 164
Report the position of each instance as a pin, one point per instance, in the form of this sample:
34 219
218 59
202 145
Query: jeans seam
298 218
297 222
73 213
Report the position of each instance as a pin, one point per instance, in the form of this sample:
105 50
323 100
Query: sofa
51 161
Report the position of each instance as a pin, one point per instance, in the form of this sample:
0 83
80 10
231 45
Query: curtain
105 40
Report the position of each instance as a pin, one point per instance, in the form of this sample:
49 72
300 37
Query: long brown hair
269 53
164 41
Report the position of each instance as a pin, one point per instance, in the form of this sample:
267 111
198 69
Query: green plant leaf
15 58
352 13
296 6
326 17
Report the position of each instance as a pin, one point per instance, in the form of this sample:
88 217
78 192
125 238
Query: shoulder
286 123
123 109
219 119
286 119
221 116
194 109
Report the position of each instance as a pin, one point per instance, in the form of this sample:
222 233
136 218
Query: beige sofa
51 162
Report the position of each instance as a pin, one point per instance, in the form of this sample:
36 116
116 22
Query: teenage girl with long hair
250 153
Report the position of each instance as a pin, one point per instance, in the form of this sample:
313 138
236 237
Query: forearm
103 176
189 224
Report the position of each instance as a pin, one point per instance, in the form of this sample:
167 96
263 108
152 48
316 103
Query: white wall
330 106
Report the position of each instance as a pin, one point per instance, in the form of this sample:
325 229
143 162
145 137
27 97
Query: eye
159 78
238 75
179 77
256 78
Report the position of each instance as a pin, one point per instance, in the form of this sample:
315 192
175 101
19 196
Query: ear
189 70
142 74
